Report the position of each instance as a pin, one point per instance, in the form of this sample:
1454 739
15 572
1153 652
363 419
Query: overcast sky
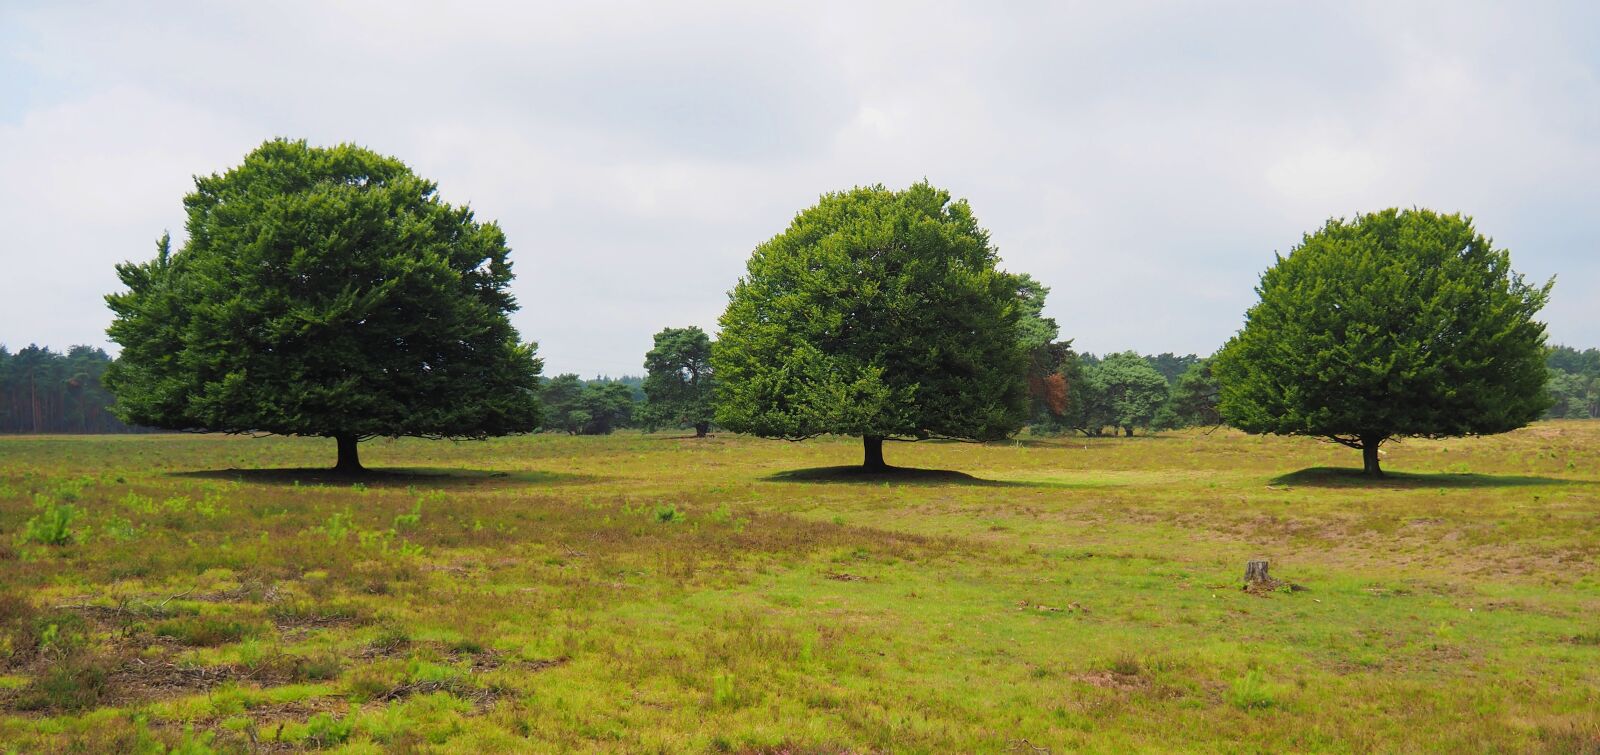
1143 160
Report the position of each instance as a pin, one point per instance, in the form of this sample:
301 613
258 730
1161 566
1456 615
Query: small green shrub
120 530
338 527
403 522
53 524
252 656
669 514
139 504
60 634
724 694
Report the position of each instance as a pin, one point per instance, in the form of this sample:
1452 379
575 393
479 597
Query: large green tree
1393 324
679 383
326 292
1133 390
877 313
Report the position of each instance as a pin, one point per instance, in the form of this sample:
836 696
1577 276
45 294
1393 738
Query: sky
1144 160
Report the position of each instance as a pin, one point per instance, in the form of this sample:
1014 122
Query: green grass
654 593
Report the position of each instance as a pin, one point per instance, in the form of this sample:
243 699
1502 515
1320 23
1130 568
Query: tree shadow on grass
853 474
1074 442
895 475
393 477
1345 477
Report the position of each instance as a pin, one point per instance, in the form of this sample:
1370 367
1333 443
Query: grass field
652 593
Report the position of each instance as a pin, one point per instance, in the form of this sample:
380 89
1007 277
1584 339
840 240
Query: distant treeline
589 407
43 391
1125 391
1574 383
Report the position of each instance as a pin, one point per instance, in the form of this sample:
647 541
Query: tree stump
1255 573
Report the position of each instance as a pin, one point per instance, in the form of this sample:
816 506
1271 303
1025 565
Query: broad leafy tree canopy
1396 323
679 382
876 313
1133 389
324 291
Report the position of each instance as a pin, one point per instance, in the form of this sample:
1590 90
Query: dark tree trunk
349 459
701 429
1128 429
1369 457
873 457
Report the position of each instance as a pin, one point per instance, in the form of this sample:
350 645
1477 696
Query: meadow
653 593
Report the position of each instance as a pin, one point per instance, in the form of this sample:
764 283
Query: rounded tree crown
877 313
1395 323
324 291
679 382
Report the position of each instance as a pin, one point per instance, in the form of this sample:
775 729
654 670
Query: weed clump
467 646
205 631
74 683
1250 692
326 730
391 637
1127 665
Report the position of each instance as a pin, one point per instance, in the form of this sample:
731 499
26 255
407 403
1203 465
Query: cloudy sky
1143 160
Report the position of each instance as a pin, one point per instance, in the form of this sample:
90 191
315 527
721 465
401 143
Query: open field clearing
654 593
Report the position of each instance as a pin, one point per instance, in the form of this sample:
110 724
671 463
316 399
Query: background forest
45 391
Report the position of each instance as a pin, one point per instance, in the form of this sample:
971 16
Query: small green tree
679 383
1394 324
1133 390
877 313
328 292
